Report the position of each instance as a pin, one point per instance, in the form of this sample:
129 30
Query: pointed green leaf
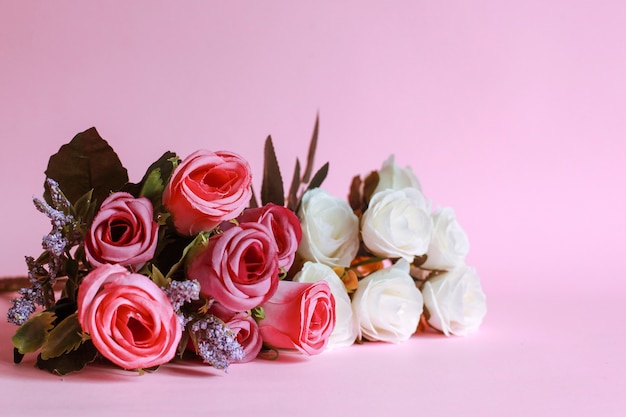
69 362
85 208
87 162
197 244
272 185
33 333
311 154
64 338
153 186
158 278
292 198
153 182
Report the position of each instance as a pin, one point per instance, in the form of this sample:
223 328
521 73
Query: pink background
510 112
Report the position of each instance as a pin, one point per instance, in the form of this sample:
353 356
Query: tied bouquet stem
190 261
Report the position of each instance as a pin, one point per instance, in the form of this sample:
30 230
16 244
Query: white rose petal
346 327
455 301
392 176
397 224
330 229
387 304
449 244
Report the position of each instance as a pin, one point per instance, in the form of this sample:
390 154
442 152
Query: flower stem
367 262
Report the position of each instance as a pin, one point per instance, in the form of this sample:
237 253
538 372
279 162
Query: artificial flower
455 301
397 224
392 176
449 244
346 327
238 268
300 315
206 189
329 227
123 232
245 329
285 228
129 318
387 304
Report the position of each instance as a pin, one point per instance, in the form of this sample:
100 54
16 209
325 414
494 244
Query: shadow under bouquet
189 262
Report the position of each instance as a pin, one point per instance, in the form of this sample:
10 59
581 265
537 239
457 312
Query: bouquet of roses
187 261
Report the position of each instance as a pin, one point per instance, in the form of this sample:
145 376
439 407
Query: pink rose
129 318
238 268
123 232
285 227
244 327
206 189
300 316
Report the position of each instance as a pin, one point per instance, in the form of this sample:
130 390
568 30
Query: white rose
346 327
397 224
391 175
449 244
387 304
455 301
330 229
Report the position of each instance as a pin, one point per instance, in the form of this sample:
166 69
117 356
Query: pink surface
510 113
534 356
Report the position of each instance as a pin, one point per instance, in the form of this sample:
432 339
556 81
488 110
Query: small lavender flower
57 217
216 344
58 213
181 292
36 271
58 198
24 306
55 242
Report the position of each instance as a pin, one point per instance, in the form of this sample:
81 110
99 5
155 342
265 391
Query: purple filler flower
216 344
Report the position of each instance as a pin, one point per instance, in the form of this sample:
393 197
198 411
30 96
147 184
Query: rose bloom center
119 231
253 262
140 332
217 180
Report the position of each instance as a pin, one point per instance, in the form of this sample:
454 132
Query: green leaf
153 186
85 208
158 278
69 362
87 162
63 309
272 185
258 313
152 369
72 270
154 180
311 154
31 335
292 198
67 336
199 241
